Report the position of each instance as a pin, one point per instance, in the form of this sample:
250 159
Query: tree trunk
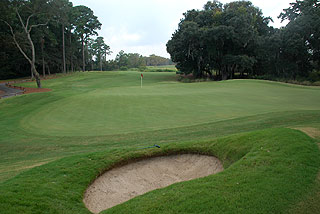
72 67
199 67
37 76
63 51
43 64
71 51
48 69
32 76
33 62
224 73
83 58
101 64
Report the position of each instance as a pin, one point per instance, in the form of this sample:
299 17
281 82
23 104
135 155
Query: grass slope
109 112
127 108
265 172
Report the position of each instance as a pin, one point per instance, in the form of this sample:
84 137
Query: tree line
125 61
48 36
222 41
39 37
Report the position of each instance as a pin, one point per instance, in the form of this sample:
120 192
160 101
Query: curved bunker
124 183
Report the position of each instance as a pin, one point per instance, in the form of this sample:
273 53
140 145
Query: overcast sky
145 26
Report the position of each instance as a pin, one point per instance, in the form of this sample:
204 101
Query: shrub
314 76
142 68
123 68
317 83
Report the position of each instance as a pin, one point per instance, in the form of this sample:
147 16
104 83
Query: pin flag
141 79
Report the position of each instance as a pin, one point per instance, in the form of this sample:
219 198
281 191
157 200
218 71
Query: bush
314 76
142 68
124 68
317 83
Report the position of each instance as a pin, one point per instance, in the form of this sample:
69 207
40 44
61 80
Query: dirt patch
29 90
124 183
35 90
312 132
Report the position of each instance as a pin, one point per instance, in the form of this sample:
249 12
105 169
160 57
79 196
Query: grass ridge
245 157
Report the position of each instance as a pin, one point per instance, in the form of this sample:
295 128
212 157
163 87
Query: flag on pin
141 80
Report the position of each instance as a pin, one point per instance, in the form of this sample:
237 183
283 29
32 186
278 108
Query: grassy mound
265 172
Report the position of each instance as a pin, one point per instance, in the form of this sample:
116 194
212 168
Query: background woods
51 34
234 40
223 40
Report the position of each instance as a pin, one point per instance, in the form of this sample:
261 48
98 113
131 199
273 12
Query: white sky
145 26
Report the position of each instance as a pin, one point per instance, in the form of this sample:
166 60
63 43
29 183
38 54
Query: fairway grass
52 145
160 105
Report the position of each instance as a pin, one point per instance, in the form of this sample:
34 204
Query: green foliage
61 18
154 60
165 68
134 61
236 38
314 76
218 38
100 51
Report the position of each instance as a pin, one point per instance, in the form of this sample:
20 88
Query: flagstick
141 82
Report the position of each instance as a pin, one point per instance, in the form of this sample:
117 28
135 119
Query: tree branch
20 19
28 19
32 26
16 42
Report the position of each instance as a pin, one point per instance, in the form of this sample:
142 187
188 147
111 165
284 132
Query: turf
103 113
116 104
261 168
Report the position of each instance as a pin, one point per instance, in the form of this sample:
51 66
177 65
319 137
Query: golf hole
124 183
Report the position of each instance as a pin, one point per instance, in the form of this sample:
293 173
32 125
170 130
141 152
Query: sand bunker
121 184
312 132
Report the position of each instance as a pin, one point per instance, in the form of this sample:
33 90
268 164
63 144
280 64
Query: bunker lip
310 131
123 183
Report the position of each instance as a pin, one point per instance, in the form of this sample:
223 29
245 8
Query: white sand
124 183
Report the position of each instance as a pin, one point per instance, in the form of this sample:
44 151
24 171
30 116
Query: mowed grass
108 116
115 104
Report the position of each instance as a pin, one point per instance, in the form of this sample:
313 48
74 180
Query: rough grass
164 68
106 116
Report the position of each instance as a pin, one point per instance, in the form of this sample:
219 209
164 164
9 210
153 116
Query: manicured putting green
119 105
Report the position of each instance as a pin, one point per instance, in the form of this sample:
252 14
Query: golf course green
54 144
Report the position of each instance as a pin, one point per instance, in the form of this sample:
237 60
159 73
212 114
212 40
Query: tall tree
58 42
122 60
62 10
221 38
303 31
30 15
100 50
86 25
